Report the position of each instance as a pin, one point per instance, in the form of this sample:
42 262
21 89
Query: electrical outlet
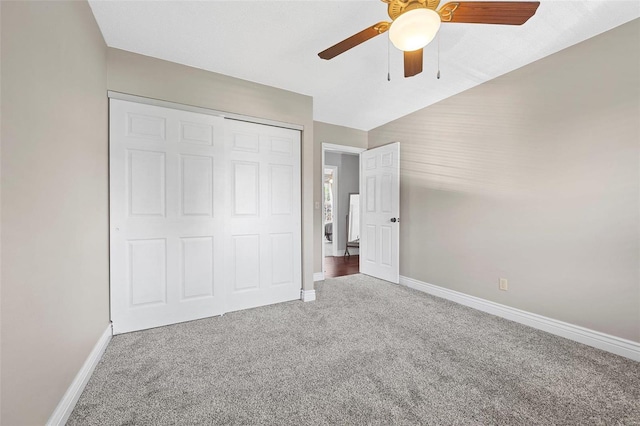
317 205
504 285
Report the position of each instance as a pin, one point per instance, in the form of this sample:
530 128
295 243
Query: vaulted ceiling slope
276 43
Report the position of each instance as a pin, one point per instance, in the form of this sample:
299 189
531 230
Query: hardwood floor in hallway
337 266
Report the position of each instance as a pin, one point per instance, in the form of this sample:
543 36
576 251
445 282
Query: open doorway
341 212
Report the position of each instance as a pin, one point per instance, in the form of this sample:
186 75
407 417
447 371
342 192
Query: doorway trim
340 149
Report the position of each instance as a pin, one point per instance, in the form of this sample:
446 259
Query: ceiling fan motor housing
398 7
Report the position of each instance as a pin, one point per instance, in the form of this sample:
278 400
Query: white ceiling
276 43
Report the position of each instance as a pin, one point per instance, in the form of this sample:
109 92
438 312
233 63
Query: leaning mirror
354 218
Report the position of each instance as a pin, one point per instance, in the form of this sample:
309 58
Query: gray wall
154 78
55 300
534 177
348 182
337 135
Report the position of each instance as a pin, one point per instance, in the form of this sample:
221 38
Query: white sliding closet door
167 210
204 215
263 219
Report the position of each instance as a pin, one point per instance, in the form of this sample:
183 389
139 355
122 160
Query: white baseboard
318 276
606 342
68 402
307 295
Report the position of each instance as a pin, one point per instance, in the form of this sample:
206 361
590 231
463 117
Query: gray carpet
366 352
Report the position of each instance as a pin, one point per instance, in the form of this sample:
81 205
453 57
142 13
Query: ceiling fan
414 23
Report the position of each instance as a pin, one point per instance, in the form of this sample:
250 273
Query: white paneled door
205 215
263 243
380 210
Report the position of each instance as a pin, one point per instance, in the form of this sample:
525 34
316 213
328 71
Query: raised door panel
386 159
197 185
246 251
197 267
370 163
282 259
196 133
246 142
385 245
147 267
281 189
370 251
146 183
370 191
146 127
282 146
245 188
386 194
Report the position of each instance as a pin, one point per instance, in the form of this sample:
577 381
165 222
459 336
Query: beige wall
55 300
337 135
154 78
534 177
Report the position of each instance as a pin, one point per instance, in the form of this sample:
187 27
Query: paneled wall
533 177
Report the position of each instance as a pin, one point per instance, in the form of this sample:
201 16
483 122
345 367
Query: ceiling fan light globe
414 29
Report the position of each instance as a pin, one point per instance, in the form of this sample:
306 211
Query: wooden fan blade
355 40
412 63
489 12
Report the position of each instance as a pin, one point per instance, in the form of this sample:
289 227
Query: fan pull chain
438 75
388 59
